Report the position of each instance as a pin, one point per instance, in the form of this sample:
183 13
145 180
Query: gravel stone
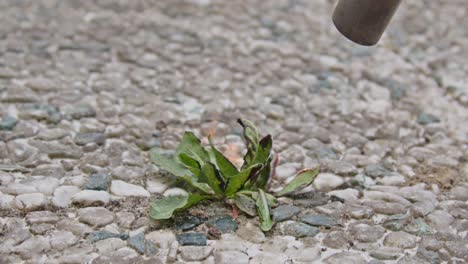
327 181
91 198
82 139
30 201
229 257
440 220
121 188
40 217
98 182
386 253
63 195
95 216
400 239
345 257
251 232
336 239
194 253
8 123
366 233
224 224
285 212
319 220
299 230
191 239
104 235
60 240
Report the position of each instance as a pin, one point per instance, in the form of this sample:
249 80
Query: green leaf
245 203
226 168
252 138
236 182
192 147
263 150
194 199
264 175
168 164
272 201
302 180
191 164
165 207
213 178
263 210
204 187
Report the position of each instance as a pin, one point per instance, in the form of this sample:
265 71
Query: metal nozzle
364 21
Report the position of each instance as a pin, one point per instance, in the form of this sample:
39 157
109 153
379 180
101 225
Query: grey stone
8 123
418 227
95 216
121 188
426 118
138 243
440 220
319 220
251 232
298 229
63 195
396 222
30 201
429 255
386 253
60 240
191 239
98 182
40 217
82 139
400 239
194 253
74 226
230 257
366 233
56 150
40 229
102 234
376 171
306 255
345 257
340 167
187 222
285 212
337 240
81 111
34 246
224 224
91 198
457 249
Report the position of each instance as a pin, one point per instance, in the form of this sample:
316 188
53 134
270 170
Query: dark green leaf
264 150
236 182
226 168
191 146
194 199
213 178
204 187
245 203
252 138
263 210
165 207
168 164
302 180
264 175
191 164
272 201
